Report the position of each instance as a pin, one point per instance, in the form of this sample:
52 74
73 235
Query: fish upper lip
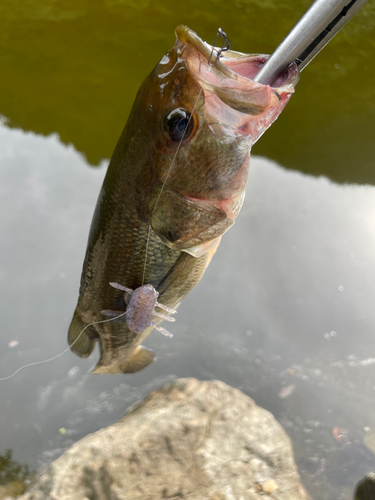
230 63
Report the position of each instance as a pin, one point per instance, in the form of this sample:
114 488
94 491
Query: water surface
285 310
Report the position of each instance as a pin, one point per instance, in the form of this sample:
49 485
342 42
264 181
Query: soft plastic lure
140 308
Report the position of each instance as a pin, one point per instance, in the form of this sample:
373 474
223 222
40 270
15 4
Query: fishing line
65 350
226 46
165 180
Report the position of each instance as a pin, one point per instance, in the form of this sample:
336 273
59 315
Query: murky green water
74 68
298 265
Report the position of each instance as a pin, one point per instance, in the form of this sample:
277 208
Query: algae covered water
285 311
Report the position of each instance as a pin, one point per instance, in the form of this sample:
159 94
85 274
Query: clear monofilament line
226 46
210 65
164 182
64 351
170 168
146 250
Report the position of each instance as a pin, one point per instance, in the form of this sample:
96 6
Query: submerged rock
366 488
187 440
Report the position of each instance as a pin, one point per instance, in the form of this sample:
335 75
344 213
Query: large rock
188 440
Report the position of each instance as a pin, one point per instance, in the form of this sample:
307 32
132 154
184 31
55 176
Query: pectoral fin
182 223
79 339
138 360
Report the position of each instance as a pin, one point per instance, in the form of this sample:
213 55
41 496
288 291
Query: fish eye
180 124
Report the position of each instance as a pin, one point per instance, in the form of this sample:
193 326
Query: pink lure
140 308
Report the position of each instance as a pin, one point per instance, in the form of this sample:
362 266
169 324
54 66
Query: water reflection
14 476
75 69
285 312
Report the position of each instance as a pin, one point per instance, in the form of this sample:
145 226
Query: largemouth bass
180 197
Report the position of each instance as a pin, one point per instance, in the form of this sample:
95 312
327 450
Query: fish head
204 113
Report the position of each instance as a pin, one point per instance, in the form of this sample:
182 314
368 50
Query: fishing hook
225 46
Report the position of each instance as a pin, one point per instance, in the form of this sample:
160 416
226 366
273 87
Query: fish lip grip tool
312 32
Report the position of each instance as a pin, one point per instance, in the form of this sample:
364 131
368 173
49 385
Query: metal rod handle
312 32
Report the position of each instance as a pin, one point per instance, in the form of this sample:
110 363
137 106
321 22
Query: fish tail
138 359
79 338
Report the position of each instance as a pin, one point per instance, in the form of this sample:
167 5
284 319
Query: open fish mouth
234 65
230 79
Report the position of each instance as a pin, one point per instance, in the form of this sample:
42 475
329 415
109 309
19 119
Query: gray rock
187 440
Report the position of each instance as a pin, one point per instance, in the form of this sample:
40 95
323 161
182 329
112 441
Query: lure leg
164 316
108 312
166 308
120 287
162 330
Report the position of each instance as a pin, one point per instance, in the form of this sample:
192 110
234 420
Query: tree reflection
14 476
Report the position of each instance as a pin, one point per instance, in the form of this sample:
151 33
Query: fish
174 185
